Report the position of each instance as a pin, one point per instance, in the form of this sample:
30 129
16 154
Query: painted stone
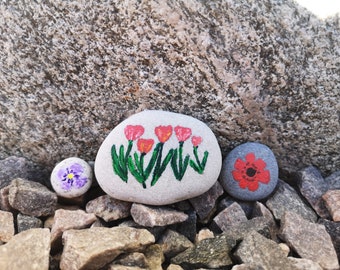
250 172
158 158
72 177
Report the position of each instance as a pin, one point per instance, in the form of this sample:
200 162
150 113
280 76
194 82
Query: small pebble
250 172
72 177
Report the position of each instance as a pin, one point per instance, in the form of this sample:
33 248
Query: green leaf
204 160
134 171
194 166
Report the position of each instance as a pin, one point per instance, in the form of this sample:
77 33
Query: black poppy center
250 172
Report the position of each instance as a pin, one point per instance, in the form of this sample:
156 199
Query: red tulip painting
125 162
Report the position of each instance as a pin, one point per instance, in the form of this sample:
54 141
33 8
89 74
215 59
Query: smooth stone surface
71 177
151 216
309 240
95 247
27 250
31 198
158 158
250 172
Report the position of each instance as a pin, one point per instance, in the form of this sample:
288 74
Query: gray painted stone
158 158
250 172
286 198
309 240
72 81
312 186
31 198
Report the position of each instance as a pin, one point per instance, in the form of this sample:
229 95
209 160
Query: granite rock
309 240
149 216
31 198
4 203
333 228
154 256
136 259
333 180
231 216
36 241
25 222
204 233
286 198
257 250
174 267
247 206
6 226
95 247
108 208
312 186
173 243
66 220
304 264
250 172
332 202
105 59
158 158
71 177
209 253
205 204
188 227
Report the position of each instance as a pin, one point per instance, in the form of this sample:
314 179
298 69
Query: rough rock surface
151 216
309 240
37 241
95 247
231 216
31 198
333 228
6 226
209 253
108 208
69 219
287 199
257 250
252 70
312 186
332 202
25 222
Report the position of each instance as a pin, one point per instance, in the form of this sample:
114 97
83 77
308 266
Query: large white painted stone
158 158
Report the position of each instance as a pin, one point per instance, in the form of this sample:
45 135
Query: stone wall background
265 71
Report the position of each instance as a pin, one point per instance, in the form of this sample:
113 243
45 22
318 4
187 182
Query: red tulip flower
145 145
133 132
182 133
196 140
163 133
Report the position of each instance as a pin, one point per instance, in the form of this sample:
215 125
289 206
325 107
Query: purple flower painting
71 177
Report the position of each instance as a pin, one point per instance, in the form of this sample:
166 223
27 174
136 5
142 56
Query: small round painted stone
250 172
72 177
